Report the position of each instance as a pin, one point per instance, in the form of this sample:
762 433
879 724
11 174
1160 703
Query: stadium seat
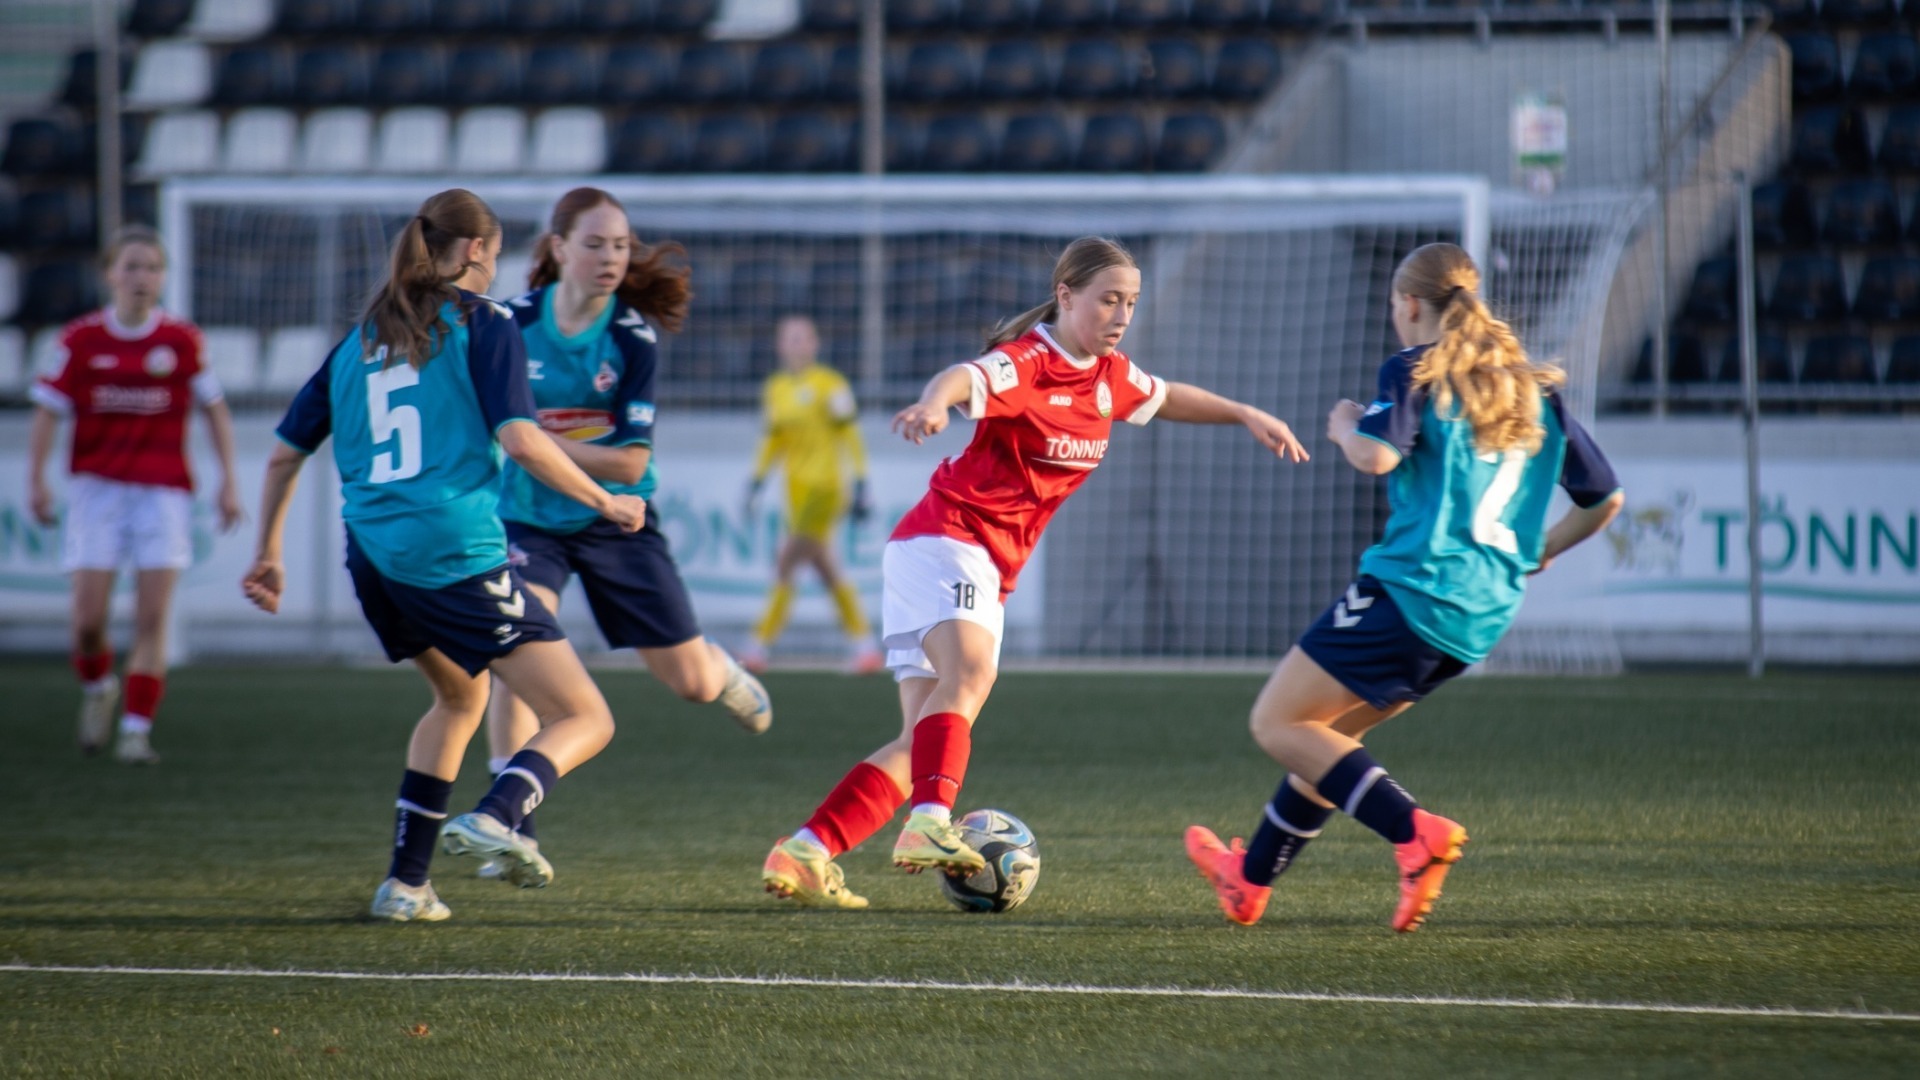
170 74
1773 360
486 74
569 142
1096 69
958 142
411 140
9 218
1809 288
994 16
1175 69
335 141
560 74
1113 142
1889 290
843 73
1070 14
468 16
542 16
230 20
182 142
252 75
298 17
57 218
491 140
1862 212
1015 69
1296 14
940 70
785 71
9 288
648 142
636 74
1189 142
808 142
729 142
1900 139
294 353
683 16
331 75
158 18
1246 68
1839 358
1782 215
1793 12
1225 14
1903 365
380 18
1885 66
133 138
1816 66
1830 138
41 146
598 17
1686 359
56 292
1149 14
140 203
1857 12
233 354
902 144
1035 142
408 75
82 88
829 16
1711 298
260 140
13 342
919 16
709 72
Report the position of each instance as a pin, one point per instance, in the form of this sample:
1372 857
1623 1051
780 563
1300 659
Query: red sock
143 694
942 743
92 667
863 801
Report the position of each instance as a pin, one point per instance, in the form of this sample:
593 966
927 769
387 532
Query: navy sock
422 806
1358 785
1290 820
520 787
526 823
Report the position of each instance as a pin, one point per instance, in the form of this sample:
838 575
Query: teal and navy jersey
1468 527
595 386
419 467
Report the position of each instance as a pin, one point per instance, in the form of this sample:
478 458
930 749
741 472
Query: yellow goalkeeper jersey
810 429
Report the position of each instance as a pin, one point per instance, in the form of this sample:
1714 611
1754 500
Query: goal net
1192 545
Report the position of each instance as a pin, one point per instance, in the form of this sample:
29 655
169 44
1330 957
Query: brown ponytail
1477 360
657 281
1080 263
404 314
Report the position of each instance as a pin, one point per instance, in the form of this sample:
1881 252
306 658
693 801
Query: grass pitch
1691 840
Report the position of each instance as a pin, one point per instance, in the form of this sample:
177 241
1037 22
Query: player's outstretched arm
535 451
1188 404
1578 524
266 579
930 415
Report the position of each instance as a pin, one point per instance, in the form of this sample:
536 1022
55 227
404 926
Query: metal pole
1750 407
1662 33
873 162
106 81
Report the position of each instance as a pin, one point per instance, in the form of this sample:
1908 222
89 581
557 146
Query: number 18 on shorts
931 580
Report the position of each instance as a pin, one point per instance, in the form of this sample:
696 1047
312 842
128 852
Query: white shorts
110 523
929 580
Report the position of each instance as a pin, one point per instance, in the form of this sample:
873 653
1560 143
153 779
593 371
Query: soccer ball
1013 863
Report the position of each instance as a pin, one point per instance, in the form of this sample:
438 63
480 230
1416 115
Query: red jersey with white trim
129 390
1044 422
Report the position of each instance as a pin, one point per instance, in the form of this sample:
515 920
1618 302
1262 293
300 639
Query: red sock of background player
942 743
864 800
143 701
93 668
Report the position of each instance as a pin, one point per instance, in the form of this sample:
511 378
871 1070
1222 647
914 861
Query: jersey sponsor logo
1103 398
1059 399
1002 376
640 413
161 362
134 400
604 379
1072 453
102 362
580 425
1378 407
536 370
1140 379
639 328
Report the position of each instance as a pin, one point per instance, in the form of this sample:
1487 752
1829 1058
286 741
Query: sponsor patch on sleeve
640 413
1141 381
1002 376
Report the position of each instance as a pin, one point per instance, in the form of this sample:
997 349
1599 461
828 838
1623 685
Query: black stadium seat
314 16
1113 142
1913 226
1782 215
468 16
1246 68
9 215
61 218
544 16
1035 142
1175 69
158 18
1149 14
843 73
1711 297
1900 139
596 17
1096 69
808 142
1070 14
729 142
1686 360
1830 138
648 142
560 74
330 75
380 17
710 71
1792 12
1772 356
1015 69
919 16
1903 366
1889 290
958 142
636 74
484 74
829 16
1857 12
252 75
785 71
900 147
56 292
1293 14
1810 288
408 75
995 16
86 150
683 16
1189 142
82 87
935 71
1816 66
41 146
1839 358
1885 66
1862 212
1226 13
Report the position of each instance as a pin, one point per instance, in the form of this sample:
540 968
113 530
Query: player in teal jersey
1473 438
591 326
419 399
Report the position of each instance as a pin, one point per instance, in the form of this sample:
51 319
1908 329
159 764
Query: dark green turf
1676 839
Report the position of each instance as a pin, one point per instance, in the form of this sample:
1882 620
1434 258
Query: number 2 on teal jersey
1488 529
397 422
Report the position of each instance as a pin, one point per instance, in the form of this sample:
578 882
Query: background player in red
128 376
1045 394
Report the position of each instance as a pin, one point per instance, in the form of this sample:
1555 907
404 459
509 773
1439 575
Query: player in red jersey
128 376
1045 394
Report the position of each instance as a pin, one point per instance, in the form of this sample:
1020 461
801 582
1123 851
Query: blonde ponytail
1080 263
1477 371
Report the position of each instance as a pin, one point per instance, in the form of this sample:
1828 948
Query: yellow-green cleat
928 843
804 873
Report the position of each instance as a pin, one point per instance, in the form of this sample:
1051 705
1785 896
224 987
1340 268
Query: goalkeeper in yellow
811 434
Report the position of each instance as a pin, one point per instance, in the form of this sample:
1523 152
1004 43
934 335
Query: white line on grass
1757 1012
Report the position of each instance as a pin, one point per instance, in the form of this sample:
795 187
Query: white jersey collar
111 320
1047 332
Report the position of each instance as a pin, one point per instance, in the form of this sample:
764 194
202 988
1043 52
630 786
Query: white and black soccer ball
1013 863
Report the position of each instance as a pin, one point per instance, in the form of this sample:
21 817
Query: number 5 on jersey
400 423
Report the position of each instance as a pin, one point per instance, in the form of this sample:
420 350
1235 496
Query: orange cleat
1242 901
867 661
1424 860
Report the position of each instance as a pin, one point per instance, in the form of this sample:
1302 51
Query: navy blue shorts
472 622
631 582
1365 643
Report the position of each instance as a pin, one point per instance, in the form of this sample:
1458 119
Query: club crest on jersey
161 361
604 379
1103 398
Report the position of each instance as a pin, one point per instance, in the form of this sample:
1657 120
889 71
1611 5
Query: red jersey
129 390
1044 421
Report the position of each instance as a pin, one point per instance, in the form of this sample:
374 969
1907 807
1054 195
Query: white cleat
481 834
96 715
494 870
746 700
396 901
134 748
